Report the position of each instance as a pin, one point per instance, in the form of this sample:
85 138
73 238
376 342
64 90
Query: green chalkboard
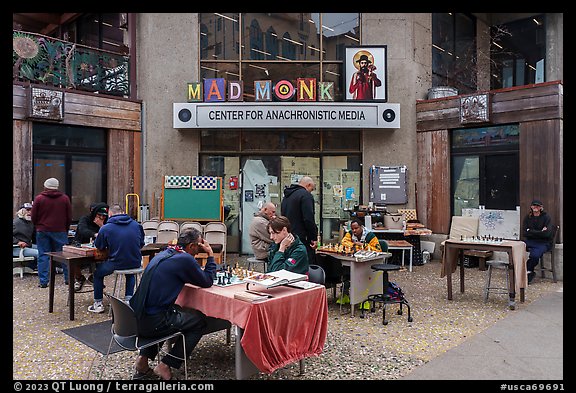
192 204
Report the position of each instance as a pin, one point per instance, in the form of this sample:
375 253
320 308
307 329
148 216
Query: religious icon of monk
364 81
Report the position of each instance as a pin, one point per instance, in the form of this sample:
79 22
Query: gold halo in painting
357 56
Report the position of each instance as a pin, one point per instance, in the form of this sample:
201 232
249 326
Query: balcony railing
49 61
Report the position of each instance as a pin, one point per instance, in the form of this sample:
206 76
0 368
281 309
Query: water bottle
425 256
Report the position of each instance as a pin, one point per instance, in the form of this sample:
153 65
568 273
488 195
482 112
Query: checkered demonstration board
177 181
204 183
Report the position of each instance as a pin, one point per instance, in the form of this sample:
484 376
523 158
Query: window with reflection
76 156
275 72
485 168
518 50
454 51
257 46
219 30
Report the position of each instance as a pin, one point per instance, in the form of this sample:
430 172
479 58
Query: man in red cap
537 233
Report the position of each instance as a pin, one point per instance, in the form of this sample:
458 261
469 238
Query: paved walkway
527 345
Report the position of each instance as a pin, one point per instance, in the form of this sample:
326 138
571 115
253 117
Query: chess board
223 282
177 181
204 183
482 240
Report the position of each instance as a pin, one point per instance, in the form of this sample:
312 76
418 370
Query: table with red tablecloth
290 326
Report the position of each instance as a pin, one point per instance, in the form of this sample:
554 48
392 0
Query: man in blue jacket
154 301
122 237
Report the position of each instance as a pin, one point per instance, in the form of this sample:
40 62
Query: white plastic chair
192 224
168 225
166 236
215 233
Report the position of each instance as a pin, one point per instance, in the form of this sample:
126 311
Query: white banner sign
286 115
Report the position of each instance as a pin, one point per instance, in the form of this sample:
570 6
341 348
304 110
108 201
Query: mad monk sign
215 104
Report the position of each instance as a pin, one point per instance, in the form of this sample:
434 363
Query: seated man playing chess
154 301
357 238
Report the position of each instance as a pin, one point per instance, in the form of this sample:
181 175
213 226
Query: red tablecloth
284 329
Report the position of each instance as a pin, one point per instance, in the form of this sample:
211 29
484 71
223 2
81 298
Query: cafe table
517 257
288 327
73 262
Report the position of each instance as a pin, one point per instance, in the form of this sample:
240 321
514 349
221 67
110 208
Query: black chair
552 268
333 272
125 332
383 297
316 274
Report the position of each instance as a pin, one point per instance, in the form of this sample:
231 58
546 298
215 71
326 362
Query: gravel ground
355 349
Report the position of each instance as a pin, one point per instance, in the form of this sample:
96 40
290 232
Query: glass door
260 184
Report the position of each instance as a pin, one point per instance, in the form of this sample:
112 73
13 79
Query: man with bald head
298 207
259 236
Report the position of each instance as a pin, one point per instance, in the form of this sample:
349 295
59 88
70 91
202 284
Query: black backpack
394 292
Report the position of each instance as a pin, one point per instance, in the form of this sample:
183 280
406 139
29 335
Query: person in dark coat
51 216
298 207
86 231
537 234
123 238
24 234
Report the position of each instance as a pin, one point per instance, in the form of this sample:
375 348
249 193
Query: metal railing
50 61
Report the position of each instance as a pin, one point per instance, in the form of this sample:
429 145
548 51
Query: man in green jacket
287 252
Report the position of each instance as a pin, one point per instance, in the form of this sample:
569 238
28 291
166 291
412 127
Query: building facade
454 158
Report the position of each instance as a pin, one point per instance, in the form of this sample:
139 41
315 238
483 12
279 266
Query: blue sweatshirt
171 275
123 237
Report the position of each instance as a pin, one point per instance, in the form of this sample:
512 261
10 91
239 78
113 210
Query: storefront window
340 190
485 168
76 156
269 160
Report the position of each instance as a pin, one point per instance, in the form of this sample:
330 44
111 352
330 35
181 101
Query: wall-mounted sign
45 104
287 115
475 108
388 185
